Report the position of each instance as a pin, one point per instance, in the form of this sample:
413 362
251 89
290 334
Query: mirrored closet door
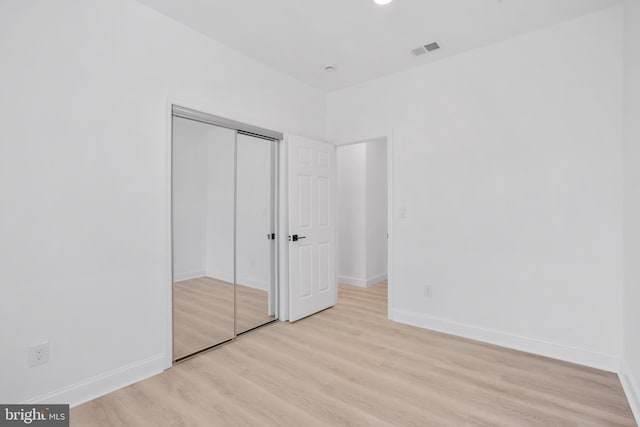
255 296
223 227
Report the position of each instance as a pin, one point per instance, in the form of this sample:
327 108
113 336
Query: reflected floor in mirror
203 312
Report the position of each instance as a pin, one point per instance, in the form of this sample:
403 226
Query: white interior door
312 253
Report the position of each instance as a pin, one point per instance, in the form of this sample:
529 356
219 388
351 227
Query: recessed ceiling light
382 2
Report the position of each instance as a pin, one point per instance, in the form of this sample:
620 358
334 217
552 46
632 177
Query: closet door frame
201 113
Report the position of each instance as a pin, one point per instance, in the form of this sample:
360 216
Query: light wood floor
203 313
349 365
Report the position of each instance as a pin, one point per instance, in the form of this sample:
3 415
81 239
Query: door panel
304 202
312 277
306 262
324 250
202 196
255 279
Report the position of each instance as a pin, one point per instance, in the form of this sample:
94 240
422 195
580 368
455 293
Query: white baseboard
376 279
179 277
252 283
631 388
92 388
220 276
352 281
363 283
244 281
567 353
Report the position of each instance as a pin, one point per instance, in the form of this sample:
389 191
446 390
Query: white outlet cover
38 354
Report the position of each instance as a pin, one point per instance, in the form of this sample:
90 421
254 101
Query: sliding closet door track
204 350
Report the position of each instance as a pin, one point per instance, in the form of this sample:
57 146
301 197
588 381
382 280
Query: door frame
388 136
206 107
283 187
283 229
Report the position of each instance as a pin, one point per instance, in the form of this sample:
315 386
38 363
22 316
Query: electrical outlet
428 291
38 354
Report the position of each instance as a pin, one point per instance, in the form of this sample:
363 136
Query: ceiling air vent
426 48
432 46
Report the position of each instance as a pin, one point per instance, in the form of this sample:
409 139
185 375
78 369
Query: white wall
508 162
631 367
220 160
204 196
362 213
376 211
351 216
253 219
84 181
189 199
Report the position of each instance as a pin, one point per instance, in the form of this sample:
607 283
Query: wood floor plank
351 366
203 312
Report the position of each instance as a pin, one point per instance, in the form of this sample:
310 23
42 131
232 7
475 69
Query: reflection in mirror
203 241
255 281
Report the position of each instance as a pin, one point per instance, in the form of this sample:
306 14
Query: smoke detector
425 49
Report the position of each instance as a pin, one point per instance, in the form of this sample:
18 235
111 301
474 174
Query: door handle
295 238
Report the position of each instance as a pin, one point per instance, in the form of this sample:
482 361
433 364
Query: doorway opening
362 213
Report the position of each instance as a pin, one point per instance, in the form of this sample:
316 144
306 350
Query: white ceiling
362 40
